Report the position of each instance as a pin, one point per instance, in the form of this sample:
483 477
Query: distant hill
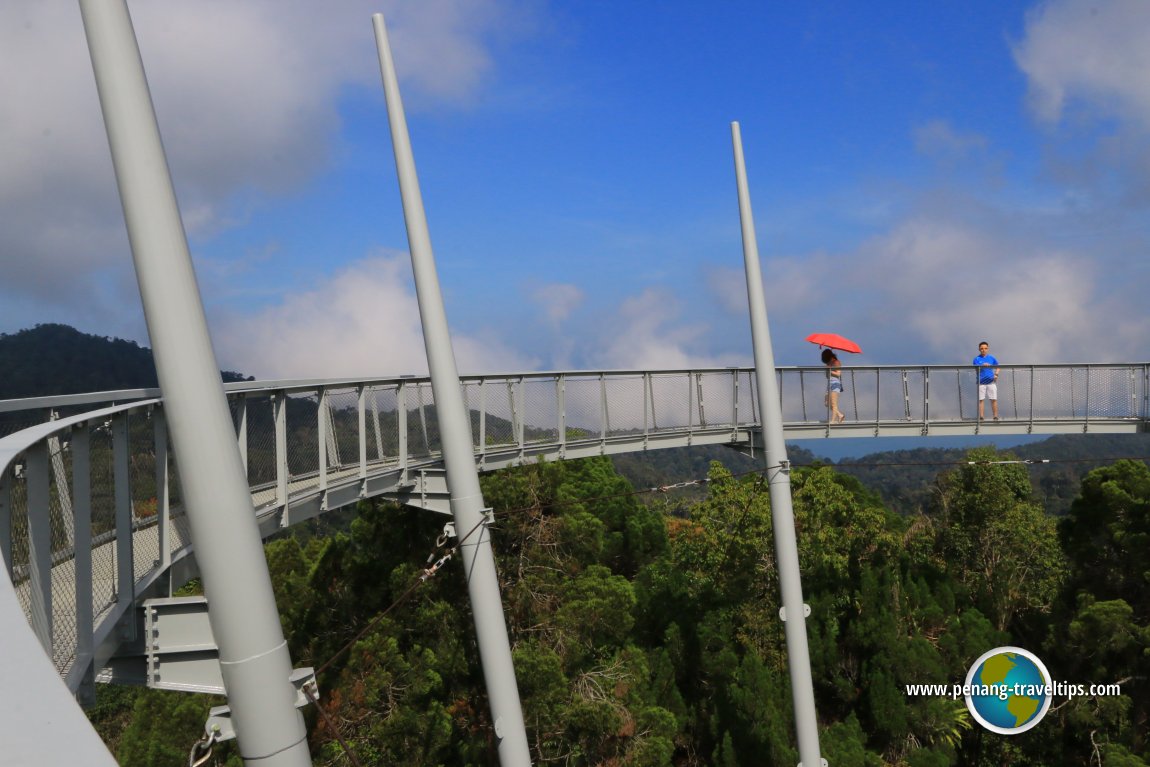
57 359
904 479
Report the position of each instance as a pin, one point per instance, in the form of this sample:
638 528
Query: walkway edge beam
467 505
241 604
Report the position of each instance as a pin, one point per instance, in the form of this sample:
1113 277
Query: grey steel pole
467 505
778 481
241 606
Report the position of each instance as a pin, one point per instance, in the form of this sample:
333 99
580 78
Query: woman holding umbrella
834 385
834 341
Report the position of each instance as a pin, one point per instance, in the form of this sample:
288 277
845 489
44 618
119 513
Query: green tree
1002 547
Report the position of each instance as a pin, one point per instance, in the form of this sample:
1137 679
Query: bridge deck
311 447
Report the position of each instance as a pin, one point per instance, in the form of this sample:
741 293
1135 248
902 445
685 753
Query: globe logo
1008 690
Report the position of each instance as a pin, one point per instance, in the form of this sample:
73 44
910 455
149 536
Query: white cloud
247 95
1088 51
361 322
647 333
558 300
934 286
938 138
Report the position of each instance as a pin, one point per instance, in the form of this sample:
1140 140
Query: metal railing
90 506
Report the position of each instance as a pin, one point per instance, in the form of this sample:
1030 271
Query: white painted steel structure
91 518
314 446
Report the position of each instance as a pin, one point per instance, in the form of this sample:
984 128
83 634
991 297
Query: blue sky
924 176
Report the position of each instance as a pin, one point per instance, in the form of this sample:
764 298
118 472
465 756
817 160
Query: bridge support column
253 655
467 505
779 481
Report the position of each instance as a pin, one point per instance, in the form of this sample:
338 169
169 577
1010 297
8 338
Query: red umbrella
834 341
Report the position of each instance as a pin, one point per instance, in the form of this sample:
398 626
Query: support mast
253 655
778 481
467 505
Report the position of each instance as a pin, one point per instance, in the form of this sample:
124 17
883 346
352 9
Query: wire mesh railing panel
803 395
1114 393
473 399
422 426
261 440
747 398
18 535
583 405
1054 393
670 401
628 410
61 524
540 399
900 394
143 493
495 414
953 394
715 399
383 424
103 501
302 433
343 405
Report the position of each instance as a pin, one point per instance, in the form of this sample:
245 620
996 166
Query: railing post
520 401
926 399
1032 400
82 556
734 404
1086 405
361 426
242 429
6 519
401 422
121 475
163 504
647 406
39 543
279 410
321 437
603 421
561 404
482 417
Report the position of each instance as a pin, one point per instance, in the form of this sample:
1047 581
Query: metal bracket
806 612
488 516
822 762
219 724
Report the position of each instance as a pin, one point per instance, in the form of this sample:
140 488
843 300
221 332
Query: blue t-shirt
986 374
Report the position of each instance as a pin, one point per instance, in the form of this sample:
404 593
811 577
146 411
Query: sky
923 176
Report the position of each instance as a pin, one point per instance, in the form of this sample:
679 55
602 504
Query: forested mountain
644 638
57 359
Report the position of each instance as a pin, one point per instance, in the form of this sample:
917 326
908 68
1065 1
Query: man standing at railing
987 380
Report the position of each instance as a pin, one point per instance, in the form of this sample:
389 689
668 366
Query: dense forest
647 633
644 619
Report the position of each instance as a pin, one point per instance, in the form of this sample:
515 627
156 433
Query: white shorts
988 391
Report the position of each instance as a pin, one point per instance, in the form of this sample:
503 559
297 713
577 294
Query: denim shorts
835 385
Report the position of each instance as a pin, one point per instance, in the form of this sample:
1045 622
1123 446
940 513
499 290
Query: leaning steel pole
467 505
253 656
778 482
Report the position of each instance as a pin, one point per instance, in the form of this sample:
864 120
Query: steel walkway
90 520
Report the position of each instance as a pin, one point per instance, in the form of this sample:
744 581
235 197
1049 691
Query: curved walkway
90 520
